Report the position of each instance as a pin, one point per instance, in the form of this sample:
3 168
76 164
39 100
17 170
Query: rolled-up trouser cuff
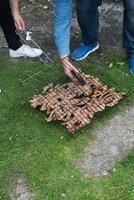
129 53
89 43
63 51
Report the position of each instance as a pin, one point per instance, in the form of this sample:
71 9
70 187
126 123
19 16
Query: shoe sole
97 47
20 56
131 72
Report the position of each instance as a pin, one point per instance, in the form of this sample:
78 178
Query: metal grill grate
74 105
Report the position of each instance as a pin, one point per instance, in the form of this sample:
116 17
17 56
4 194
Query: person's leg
128 31
8 25
16 49
63 16
88 19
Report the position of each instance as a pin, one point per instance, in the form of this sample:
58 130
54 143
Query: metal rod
29 46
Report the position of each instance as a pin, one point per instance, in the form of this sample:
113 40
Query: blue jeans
63 17
88 18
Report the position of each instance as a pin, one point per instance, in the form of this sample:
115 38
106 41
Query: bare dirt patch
20 190
113 141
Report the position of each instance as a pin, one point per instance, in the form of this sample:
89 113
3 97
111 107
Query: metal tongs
79 78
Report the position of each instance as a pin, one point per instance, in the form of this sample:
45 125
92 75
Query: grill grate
74 105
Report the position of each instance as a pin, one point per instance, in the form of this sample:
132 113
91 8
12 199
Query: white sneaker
25 51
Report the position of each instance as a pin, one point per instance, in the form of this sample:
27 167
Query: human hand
69 68
19 22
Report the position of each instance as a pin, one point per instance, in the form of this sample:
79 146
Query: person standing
88 18
9 21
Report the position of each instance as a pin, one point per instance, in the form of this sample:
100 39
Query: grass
44 153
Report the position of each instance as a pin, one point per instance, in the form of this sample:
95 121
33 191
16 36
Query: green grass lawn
44 153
